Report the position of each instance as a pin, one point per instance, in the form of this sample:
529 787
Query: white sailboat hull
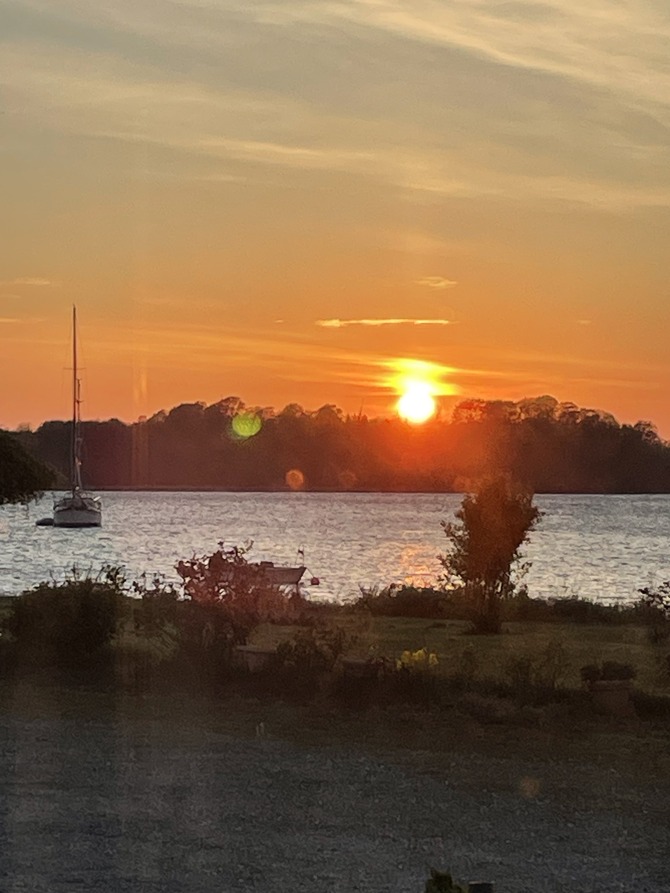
78 510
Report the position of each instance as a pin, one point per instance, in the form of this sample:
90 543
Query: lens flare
295 479
246 424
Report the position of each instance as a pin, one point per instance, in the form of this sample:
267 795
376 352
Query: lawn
569 645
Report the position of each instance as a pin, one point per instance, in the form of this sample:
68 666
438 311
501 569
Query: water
598 547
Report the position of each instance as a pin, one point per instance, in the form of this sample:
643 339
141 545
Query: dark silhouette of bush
193 628
442 882
69 624
607 671
483 553
654 609
411 601
22 477
453 604
303 665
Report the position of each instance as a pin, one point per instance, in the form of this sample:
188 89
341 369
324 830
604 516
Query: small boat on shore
266 571
279 575
226 572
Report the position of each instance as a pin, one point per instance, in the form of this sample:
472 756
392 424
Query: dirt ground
121 793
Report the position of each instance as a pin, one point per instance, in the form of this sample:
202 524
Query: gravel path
108 798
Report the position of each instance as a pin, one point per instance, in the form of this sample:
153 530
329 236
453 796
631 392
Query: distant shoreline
287 491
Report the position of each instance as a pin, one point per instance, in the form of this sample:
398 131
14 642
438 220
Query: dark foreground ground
115 793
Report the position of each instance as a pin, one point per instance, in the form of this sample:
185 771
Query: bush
582 610
413 680
312 650
467 669
442 882
69 624
654 607
408 601
533 679
484 543
193 628
22 477
226 579
303 665
454 604
608 670
409 679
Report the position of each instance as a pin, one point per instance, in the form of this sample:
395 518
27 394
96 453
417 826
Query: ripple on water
600 547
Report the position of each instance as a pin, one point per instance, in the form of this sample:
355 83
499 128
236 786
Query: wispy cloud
563 38
599 149
392 321
35 281
437 282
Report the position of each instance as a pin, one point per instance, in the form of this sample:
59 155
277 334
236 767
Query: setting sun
417 404
418 383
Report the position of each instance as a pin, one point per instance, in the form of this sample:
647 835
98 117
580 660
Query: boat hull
78 511
264 571
277 575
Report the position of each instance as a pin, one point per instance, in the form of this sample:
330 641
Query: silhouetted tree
484 542
546 445
22 477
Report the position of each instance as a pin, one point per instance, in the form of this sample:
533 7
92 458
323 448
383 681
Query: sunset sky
285 200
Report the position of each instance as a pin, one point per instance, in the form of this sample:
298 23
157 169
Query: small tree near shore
22 477
483 555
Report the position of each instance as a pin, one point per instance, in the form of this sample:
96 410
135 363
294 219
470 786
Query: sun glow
418 383
417 404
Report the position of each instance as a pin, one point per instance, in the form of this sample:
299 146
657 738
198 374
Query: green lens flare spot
246 424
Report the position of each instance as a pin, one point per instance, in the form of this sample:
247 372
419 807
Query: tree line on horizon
543 444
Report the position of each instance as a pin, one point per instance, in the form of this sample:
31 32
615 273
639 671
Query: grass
580 644
477 717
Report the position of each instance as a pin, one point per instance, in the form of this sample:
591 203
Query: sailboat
77 508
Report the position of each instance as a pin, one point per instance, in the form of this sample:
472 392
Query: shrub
483 553
407 601
442 882
413 680
228 580
582 610
193 627
302 665
70 624
608 670
655 610
467 669
22 476
536 678
196 637
312 650
455 604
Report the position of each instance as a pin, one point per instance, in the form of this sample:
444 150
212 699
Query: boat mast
76 401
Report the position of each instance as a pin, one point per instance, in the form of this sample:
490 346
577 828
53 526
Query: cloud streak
377 322
502 142
438 282
33 281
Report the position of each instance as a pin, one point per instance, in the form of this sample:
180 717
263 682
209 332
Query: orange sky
280 201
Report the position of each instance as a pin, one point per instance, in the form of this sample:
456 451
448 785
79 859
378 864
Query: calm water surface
600 547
